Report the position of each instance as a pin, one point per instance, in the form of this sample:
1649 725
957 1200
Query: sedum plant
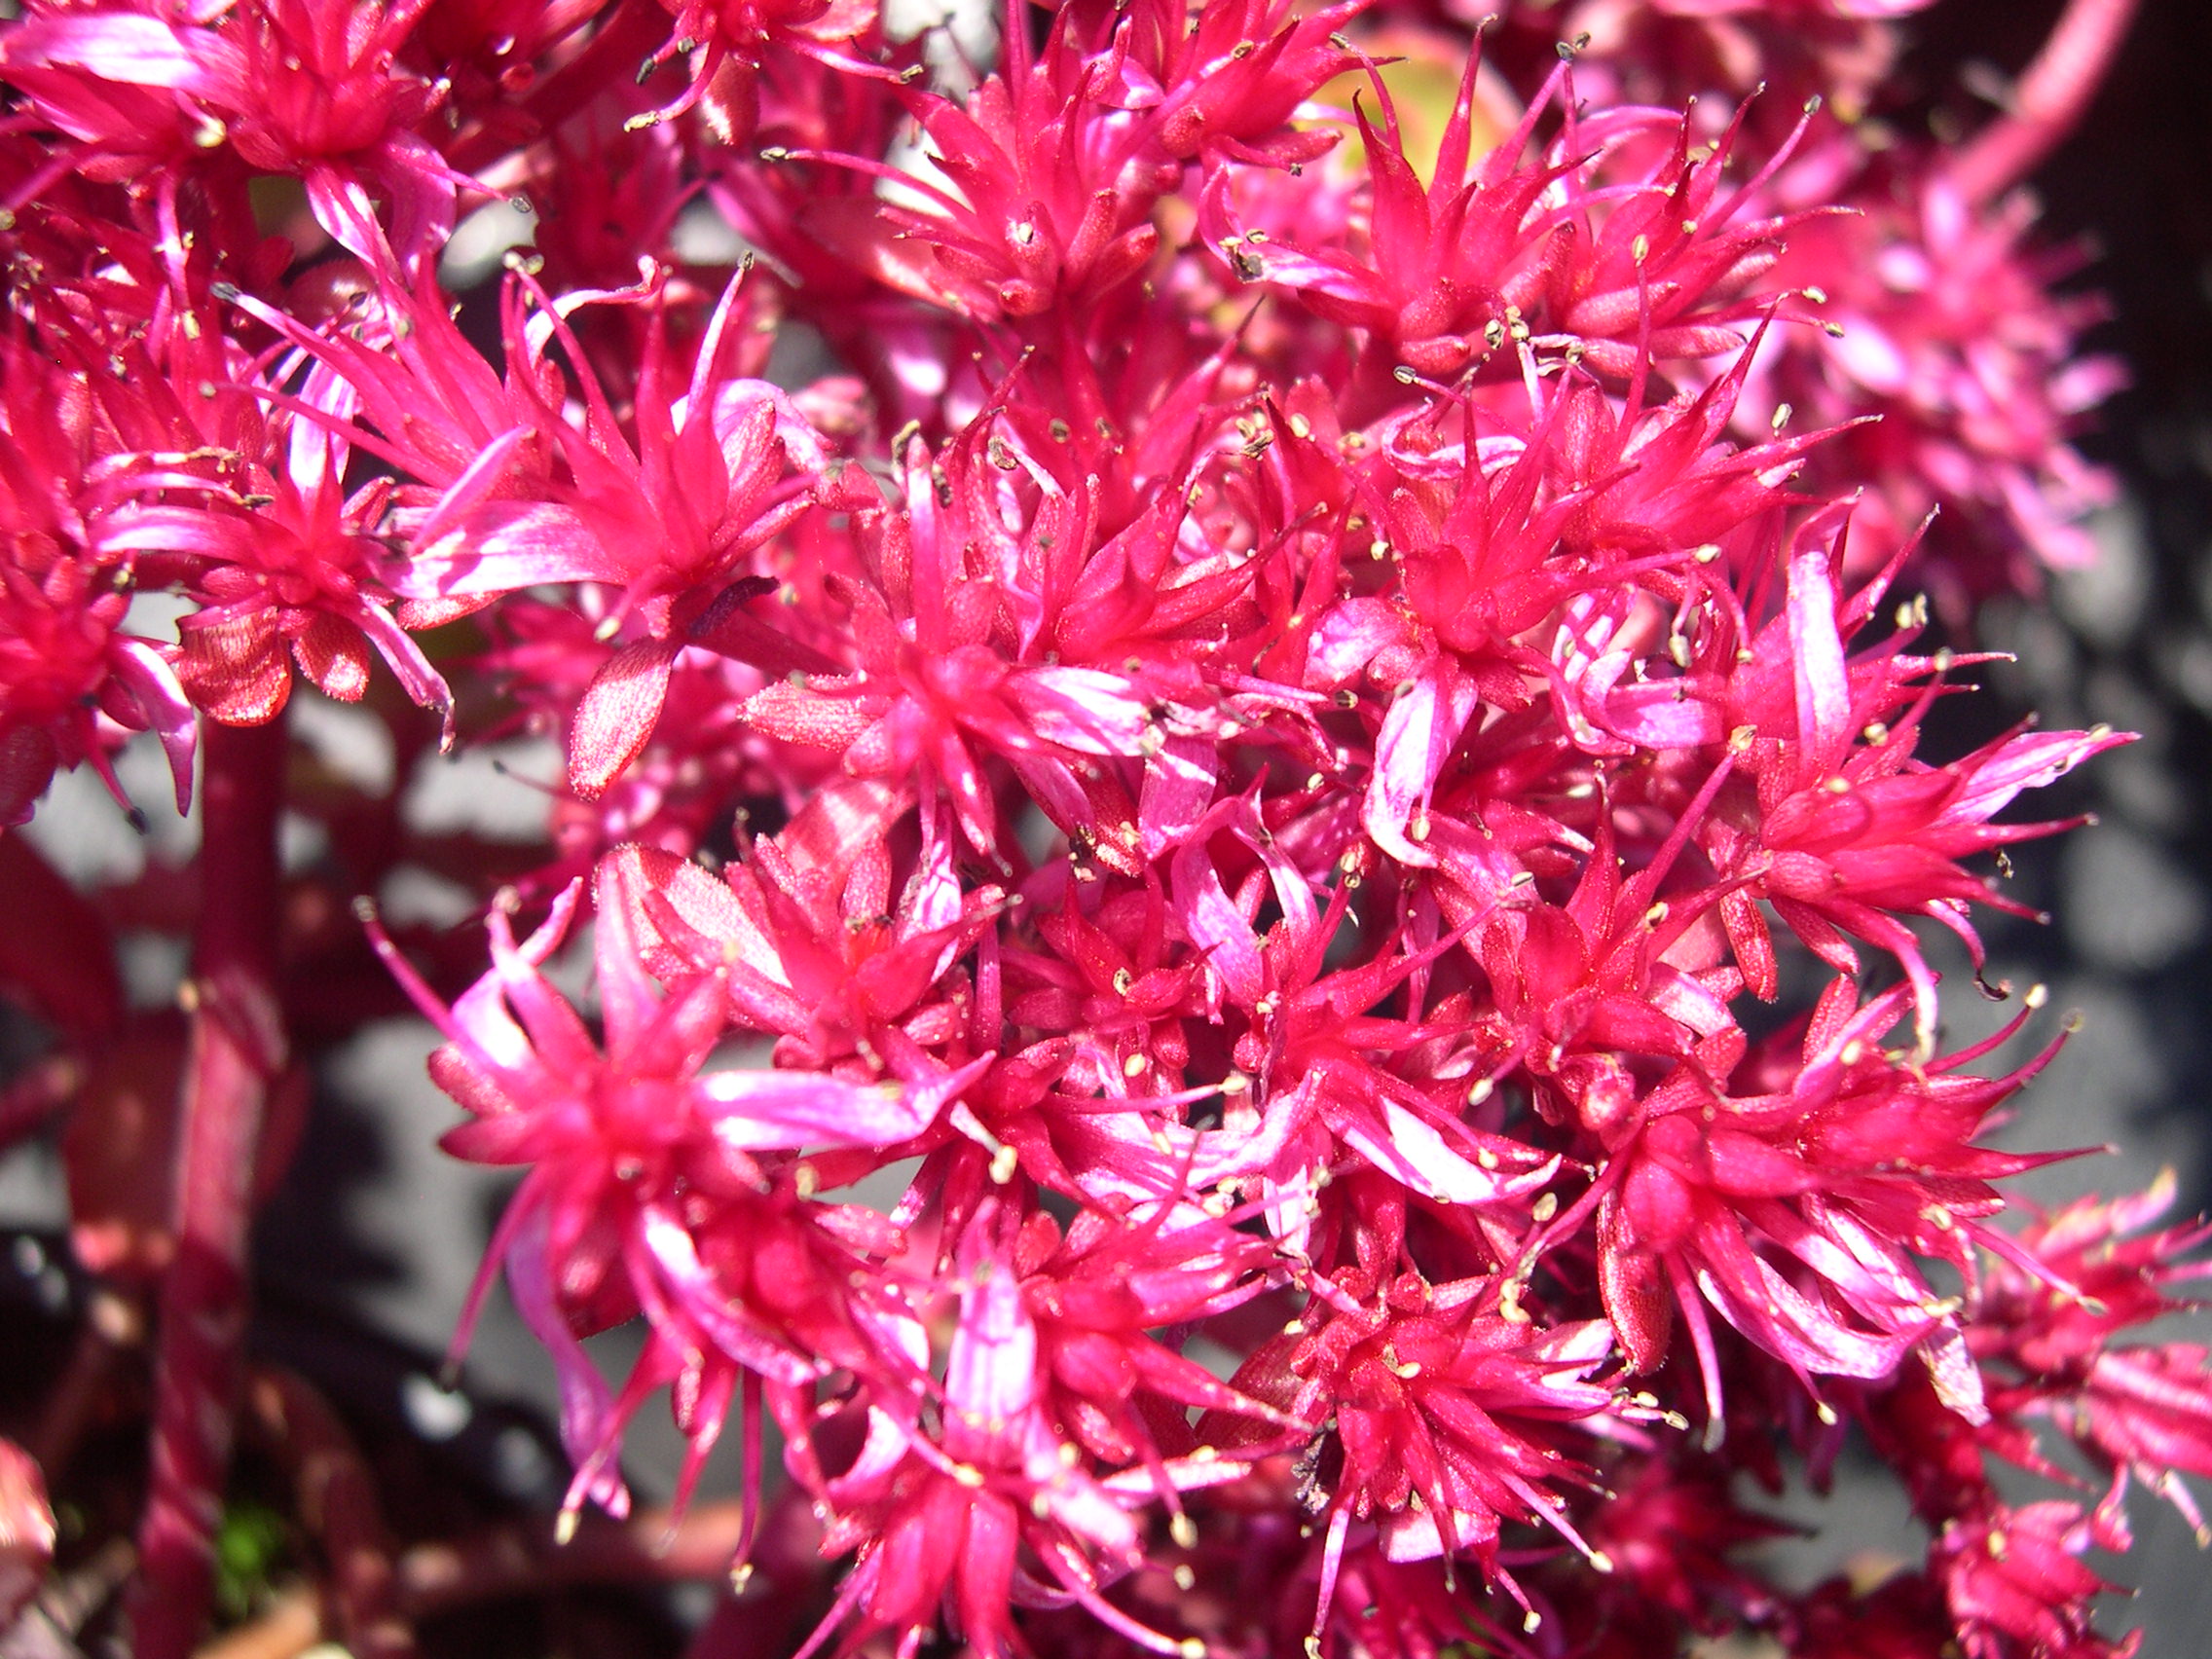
1235 649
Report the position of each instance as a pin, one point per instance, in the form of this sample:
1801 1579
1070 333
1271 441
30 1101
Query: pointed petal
620 710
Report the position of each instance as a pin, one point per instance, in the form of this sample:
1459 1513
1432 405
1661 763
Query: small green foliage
252 1544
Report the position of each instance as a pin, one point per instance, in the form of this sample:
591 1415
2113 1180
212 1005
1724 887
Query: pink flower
1445 274
1852 830
296 570
2015 1584
458 428
1095 1296
1002 1505
807 940
945 676
303 87
1056 164
1940 318
1446 1399
1792 1213
2047 1327
730 43
668 512
615 1138
71 680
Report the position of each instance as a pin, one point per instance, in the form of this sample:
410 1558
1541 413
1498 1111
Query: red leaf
620 709
235 670
335 657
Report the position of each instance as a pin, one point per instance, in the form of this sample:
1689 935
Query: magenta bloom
71 679
303 87
2049 1325
615 1140
1941 321
1440 1411
2015 1584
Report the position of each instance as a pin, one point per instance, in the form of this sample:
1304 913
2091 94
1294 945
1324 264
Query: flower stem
2052 95
335 1491
651 1547
236 1053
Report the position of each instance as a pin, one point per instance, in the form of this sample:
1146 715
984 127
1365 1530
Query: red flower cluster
1303 687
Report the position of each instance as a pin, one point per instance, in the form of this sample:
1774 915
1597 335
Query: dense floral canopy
1301 612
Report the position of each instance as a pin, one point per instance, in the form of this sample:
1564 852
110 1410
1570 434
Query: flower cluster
1216 661
1937 315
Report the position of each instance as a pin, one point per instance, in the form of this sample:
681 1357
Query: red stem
236 1051
37 1095
2052 95
335 1492
651 1547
